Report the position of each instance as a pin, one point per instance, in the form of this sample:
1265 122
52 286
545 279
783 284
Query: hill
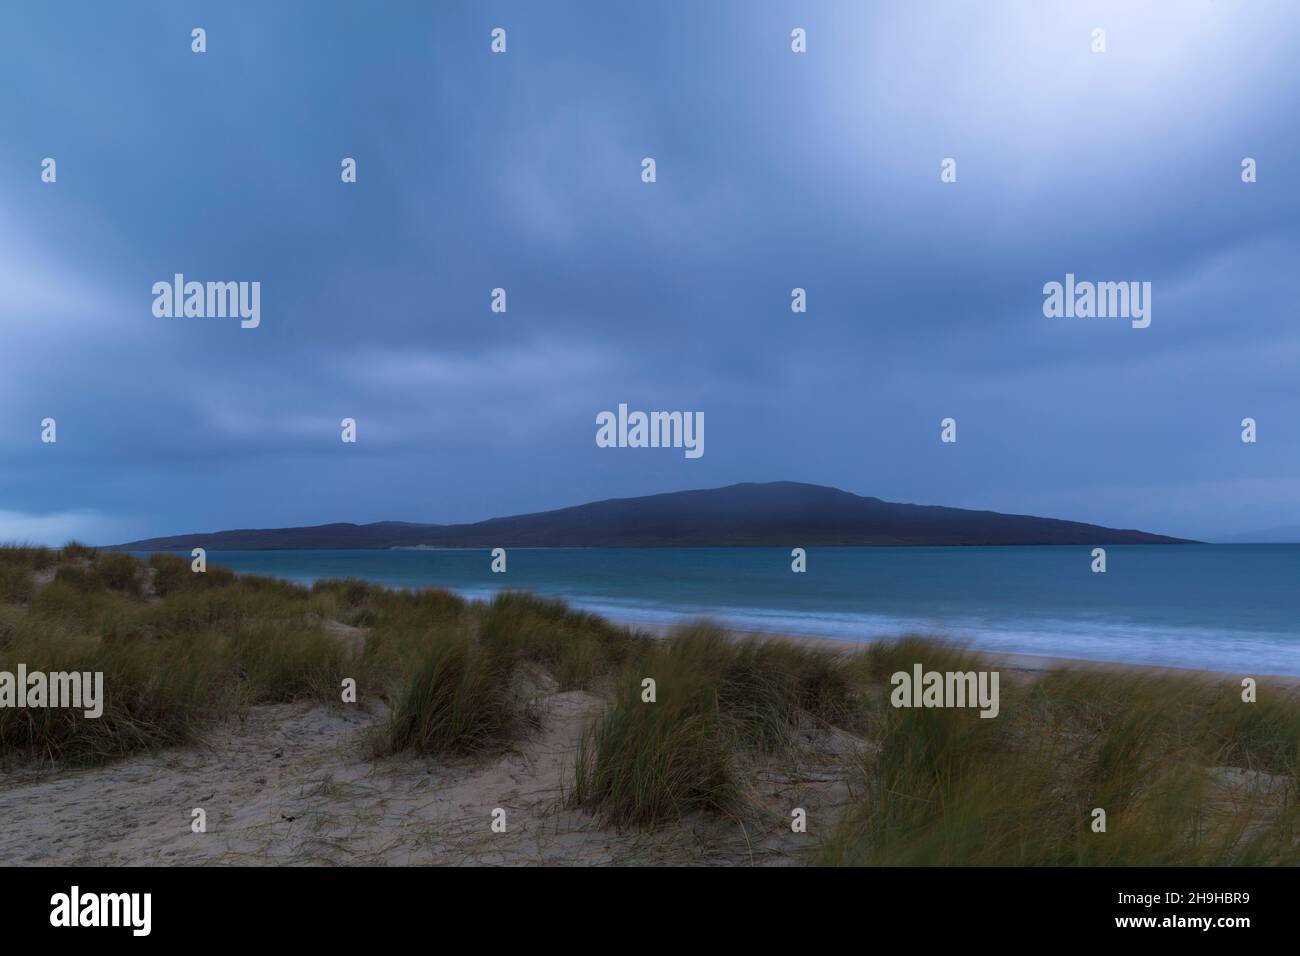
779 513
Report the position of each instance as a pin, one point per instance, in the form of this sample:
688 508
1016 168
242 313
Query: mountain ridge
748 514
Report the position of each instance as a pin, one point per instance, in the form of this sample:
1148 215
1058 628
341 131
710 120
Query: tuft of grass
1160 755
457 700
351 592
645 765
173 573
280 663
197 655
62 607
120 572
17 584
152 697
718 704
76 551
400 624
32 557
576 647
351 600
83 580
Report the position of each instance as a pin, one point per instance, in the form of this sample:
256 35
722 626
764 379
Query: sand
296 784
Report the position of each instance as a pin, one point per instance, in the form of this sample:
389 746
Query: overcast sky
775 170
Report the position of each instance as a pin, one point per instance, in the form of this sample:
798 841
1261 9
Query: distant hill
782 513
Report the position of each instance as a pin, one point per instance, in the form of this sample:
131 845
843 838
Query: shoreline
1178 614
1031 665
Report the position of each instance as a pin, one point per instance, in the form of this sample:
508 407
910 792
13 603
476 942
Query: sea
1233 608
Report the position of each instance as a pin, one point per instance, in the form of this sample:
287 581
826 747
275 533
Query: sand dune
296 784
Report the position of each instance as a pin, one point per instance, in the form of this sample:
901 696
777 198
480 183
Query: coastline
1182 608
1030 665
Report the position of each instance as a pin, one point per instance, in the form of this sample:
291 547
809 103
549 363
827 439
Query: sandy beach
297 784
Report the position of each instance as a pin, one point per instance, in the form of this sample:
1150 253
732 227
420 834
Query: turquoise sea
1221 607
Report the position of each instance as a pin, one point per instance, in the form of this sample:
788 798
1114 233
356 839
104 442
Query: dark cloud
522 171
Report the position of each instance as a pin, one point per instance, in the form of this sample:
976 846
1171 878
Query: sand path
297 784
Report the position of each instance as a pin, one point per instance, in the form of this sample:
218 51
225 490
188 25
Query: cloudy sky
775 170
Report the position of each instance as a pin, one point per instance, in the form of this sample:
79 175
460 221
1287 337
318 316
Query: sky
522 170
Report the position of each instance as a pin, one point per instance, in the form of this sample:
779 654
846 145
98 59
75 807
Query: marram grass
1186 772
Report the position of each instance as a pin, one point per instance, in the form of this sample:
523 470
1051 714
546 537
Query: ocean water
1221 607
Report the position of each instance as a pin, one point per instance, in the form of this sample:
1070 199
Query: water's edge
1224 608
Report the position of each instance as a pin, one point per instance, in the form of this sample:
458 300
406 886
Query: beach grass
1185 771
718 705
171 663
458 698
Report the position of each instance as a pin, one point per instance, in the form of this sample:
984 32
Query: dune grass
180 649
1159 754
209 648
17 584
1186 772
457 699
717 703
456 685
577 648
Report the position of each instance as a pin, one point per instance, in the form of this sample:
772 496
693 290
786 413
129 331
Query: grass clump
31 557
120 572
76 551
173 573
201 652
17 584
278 663
645 764
83 580
1186 773
719 704
457 700
462 685
576 647
151 697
